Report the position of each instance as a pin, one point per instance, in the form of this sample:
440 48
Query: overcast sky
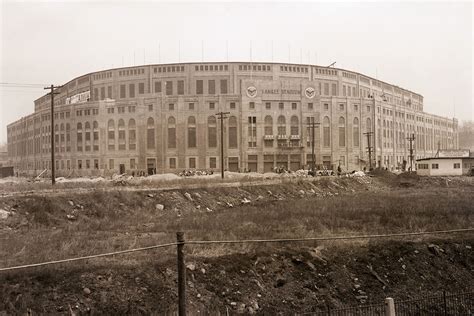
421 46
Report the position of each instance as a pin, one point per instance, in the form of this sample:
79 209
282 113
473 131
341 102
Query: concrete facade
161 118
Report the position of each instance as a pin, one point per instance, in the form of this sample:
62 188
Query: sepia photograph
236 158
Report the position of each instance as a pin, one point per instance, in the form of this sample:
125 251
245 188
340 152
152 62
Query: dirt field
80 219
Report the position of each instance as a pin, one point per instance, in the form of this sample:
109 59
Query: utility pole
222 116
52 93
312 124
411 139
369 148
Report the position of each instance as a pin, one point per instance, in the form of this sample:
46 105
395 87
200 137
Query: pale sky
420 46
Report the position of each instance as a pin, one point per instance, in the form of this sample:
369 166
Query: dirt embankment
297 279
263 279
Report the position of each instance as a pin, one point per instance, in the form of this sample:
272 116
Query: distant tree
466 135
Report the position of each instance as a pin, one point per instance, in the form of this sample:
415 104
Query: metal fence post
181 275
389 307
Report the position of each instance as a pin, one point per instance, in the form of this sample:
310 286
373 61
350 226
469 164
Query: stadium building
162 118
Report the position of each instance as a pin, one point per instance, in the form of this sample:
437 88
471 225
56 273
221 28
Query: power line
23 84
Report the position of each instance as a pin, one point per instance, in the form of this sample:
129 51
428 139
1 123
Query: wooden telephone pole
369 148
312 125
222 116
52 93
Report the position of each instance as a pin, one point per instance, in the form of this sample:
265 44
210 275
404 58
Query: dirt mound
293 279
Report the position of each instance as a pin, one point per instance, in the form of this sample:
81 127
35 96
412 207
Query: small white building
447 163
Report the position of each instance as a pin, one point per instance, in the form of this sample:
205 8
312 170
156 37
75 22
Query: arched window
79 136
212 131
111 134
68 134
132 135
192 137
95 135
232 132
342 132
62 127
150 134
294 129
326 132
268 125
171 132
121 134
355 132
87 136
281 125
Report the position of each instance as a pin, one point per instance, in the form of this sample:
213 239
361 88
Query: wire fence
247 241
453 304
447 304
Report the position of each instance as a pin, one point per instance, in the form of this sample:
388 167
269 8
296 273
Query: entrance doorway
122 168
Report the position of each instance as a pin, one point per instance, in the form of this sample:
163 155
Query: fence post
181 275
389 307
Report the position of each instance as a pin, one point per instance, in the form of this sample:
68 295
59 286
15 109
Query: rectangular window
122 91
111 164
212 105
457 165
191 106
281 105
79 164
169 87
434 166
192 163
102 93
310 106
341 107
131 90
157 86
172 163
132 164
326 88
141 88
232 105
212 162
199 87
180 87
326 106
96 163
368 108
223 86
252 105
109 92
356 107
293 106
171 107
268 105
212 86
